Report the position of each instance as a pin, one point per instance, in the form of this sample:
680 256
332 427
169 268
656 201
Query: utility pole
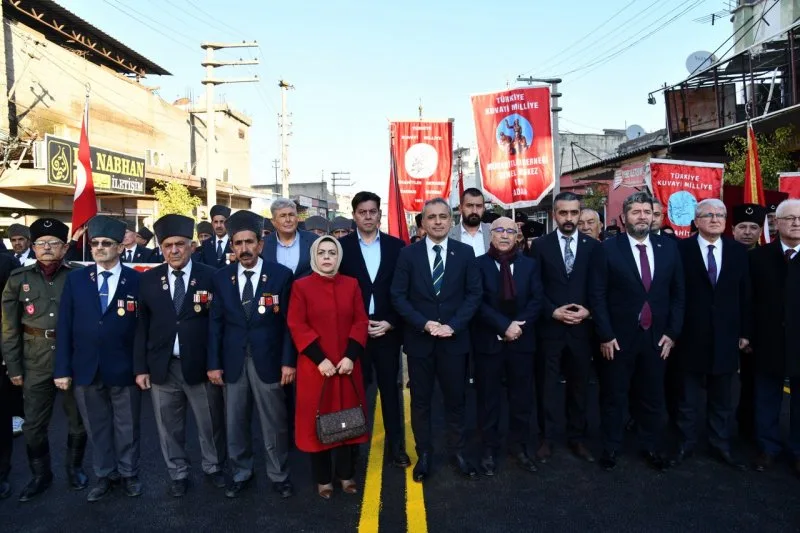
284 86
335 179
210 81
554 95
276 167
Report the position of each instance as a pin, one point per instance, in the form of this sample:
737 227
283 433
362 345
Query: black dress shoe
544 453
132 486
680 456
217 479
762 462
463 467
488 466
284 488
422 468
524 462
178 488
235 488
655 461
5 489
100 490
608 461
400 458
580 451
726 458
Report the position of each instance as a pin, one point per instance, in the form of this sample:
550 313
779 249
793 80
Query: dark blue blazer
490 320
619 294
267 334
88 341
270 251
156 256
416 302
140 254
158 324
207 254
353 265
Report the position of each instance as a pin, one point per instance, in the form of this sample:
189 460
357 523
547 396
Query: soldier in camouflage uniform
30 313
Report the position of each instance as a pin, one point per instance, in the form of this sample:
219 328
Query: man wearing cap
268 228
30 314
251 352
317 225
143 236
170 355
94 356
747 223
288 246
134 252
20 237
471 230
204 231
216 251
520 218
772 209
341 227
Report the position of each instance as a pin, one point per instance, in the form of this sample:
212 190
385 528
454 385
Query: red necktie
646 316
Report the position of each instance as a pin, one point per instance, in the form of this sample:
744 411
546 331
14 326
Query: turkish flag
85 204
397 219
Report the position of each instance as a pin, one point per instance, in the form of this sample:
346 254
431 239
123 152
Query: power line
213 18
192 15
134 17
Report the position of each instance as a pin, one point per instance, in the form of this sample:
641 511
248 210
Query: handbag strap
325 383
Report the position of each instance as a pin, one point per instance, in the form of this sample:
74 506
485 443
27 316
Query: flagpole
86 107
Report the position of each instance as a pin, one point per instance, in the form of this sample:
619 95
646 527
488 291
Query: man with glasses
94 356
30 314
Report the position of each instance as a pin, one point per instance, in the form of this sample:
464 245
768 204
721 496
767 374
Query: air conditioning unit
39 154
154 158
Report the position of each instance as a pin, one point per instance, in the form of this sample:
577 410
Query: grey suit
486 229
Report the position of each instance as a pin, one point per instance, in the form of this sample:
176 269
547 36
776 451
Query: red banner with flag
789 182
84 203
396 215
680 185
422 161
515 145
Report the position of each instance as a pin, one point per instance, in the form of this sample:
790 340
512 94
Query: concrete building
312 197
579 149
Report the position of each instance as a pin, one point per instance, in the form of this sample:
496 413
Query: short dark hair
365 196
641 197
418 219
472 191
566 196
434 201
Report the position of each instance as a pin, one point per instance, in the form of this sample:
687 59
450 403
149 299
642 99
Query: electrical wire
121 9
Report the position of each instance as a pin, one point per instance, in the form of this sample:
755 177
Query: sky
356 65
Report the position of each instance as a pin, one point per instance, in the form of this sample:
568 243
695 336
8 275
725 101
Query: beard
636 233
473 220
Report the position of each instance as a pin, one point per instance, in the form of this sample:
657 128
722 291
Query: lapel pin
658 245
452 252
233 280
122 281
27 288
263 278
193 282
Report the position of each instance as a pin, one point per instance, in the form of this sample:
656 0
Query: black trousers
7 401
381 363
490 368
746 411
338 460
639 366
574 360
719 402
423 372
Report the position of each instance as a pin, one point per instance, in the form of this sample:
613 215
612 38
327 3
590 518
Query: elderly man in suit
715 327
216 251
589 223
170 355
94 352
638 305
132 251
370 256
250 351
471 230
775 275
436 290
288 245
566 258
504 340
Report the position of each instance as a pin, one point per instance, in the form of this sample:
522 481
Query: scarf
506 259
49 271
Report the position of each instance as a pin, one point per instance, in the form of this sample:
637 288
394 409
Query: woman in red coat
329 327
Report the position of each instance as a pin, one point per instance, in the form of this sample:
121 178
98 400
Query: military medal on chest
276 308
121 307
200 298
164 284
26 287
263 302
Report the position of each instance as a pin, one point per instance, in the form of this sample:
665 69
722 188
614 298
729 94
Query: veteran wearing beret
216 251
20 237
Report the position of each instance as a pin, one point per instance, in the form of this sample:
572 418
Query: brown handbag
343 425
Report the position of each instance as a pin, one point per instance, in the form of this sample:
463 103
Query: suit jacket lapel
164 294
556 249
383 264
120 289
627 256
91 279
425 267
451 256
658 255
237 299
726 257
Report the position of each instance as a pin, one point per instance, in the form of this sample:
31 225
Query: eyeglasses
52 244
712 216
510 231
102 244
790 219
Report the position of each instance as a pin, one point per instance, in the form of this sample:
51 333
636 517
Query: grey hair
434 201
710 202
282 203
786 204
640 197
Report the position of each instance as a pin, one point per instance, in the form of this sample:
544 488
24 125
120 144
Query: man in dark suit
250 351
10 396
144 236
437 290
715 326
20 237
504 341
775 275
170 355
94 352
638 306
216 251
132 251
565 258
370 256
288 245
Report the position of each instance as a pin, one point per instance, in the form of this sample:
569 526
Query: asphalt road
565 495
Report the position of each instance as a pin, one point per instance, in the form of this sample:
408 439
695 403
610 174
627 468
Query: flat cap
218 209
19 230
749 213
49 226
244 221
174 226
317 223
105 226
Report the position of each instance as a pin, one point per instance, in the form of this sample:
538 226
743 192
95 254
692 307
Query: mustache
245 255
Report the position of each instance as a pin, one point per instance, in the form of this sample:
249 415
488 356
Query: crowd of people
296 324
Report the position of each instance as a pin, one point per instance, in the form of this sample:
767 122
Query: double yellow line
416 517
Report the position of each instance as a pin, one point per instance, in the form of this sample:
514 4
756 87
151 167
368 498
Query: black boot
76 446
39 461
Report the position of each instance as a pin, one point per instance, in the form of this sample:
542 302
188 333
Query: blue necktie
180 291
104 291
438 270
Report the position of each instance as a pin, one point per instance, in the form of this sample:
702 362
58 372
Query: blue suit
270 251
207 253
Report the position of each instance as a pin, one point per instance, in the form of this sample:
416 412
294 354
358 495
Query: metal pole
556 138
211 177
284 148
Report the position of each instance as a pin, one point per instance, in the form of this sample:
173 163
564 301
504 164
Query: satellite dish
699 60
634 131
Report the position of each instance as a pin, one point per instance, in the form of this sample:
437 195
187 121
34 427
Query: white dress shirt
171 277
510 266
562 244
113 280
253 278
704 244
476 241
132 250
432 255
650 256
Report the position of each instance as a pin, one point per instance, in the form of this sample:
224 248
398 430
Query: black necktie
129 258
180 291
19 256
219 250
247 294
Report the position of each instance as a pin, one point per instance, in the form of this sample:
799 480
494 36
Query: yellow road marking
416 517
371 504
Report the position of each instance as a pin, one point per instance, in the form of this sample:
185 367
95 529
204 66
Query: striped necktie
438 270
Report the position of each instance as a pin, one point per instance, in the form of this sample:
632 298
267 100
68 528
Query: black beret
205 227
49 226
145 234
341 223
317 222
244 221
520 217
104 226
749 213
223 210
174 226
19 230
268 225
130 224
533 229
772 207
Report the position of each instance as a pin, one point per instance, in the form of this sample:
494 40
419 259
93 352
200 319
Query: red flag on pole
397 218
85 203
753 186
